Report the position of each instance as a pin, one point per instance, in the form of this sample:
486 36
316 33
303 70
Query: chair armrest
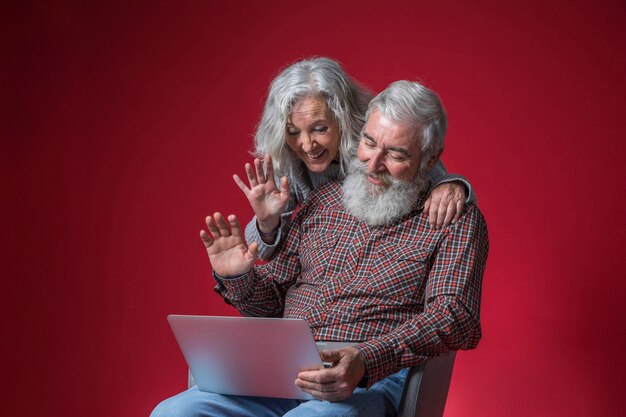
426 387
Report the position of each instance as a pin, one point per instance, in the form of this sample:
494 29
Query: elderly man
360 265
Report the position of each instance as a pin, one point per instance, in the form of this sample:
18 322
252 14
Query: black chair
426 388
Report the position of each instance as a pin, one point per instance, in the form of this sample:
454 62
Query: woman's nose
307 142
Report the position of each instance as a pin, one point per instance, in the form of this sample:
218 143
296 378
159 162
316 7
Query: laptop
247 355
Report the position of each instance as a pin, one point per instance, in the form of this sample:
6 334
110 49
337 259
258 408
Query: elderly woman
308 133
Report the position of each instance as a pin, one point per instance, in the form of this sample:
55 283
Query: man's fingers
219 227
326 392
318 376
224 230
322 380
330 355
235 227
253 249
212 226
206 239
427 205
314 386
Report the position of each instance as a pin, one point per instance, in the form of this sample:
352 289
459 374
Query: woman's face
312 133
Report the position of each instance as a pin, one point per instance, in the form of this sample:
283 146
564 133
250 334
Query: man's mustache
361 168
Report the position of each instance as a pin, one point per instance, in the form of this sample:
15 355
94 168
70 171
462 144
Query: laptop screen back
246 355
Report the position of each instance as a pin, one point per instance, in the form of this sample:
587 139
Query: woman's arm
266 249
272 206
448 195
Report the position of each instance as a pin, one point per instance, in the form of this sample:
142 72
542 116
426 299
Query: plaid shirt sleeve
451 316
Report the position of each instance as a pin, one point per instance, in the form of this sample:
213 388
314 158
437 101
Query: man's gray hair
411 102
317 77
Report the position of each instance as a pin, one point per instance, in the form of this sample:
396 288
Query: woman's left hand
445 204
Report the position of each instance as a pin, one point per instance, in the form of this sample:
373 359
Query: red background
122 125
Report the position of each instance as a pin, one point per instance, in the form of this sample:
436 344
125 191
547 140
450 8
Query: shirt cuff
231 288
378 361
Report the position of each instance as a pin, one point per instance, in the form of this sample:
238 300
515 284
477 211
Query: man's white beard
380 205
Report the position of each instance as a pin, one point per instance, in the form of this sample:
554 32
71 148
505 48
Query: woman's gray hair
411 102
317 77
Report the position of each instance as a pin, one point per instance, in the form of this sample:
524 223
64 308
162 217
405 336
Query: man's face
386 181
388 148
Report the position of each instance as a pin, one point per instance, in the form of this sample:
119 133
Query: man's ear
433 160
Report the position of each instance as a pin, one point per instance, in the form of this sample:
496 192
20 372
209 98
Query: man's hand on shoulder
338 382
226 246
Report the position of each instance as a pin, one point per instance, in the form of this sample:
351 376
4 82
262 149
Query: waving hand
226 247
266 199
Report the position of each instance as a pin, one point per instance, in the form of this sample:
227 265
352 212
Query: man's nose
375 164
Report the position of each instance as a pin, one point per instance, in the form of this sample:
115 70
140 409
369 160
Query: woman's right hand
267 201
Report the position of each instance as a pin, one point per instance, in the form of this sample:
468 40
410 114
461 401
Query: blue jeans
381 399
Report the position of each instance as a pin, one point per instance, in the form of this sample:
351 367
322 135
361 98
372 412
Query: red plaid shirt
406 291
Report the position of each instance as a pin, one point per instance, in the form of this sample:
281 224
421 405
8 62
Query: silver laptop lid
246 355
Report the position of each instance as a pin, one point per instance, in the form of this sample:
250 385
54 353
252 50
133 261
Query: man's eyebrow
400 150
403 151
368 136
